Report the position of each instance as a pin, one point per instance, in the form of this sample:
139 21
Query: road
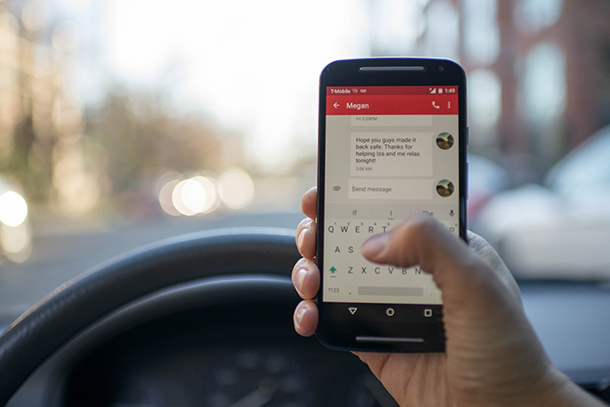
63 252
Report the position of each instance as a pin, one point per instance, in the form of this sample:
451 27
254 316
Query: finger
419 240
306 278
309 203
306 238
456 269
306 318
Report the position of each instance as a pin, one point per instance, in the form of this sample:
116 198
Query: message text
390 154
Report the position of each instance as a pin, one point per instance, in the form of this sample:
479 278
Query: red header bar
392 104
391 90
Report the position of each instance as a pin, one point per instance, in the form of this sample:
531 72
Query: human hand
493 356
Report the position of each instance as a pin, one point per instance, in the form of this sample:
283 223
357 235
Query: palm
421 378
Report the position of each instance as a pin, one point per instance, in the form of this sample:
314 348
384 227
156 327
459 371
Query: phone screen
390 151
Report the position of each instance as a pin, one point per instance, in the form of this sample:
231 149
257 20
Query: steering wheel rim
82 301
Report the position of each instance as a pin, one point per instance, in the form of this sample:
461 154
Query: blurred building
538 72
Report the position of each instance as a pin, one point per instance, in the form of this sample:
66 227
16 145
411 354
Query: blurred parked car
485 180
15 229
560 229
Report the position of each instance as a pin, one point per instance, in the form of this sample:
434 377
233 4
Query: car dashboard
215 342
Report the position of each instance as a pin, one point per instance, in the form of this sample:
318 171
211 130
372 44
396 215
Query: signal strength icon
432 91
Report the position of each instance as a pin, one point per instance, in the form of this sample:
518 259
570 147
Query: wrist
559 391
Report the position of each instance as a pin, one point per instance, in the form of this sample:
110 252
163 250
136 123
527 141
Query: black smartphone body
392 142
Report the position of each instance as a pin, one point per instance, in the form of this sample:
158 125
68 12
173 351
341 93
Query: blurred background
126 121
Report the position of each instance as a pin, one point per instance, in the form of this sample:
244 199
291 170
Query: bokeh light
165 197
16 241
203 194
194 196
13 209
35 15
236 188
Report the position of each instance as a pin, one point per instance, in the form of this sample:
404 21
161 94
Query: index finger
309 203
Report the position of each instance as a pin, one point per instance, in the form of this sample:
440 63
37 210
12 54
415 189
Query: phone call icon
434 105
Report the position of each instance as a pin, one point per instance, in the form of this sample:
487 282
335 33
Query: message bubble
391 154
391 188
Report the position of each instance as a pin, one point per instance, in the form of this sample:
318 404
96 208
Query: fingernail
373 247
298 316
302 236
299 278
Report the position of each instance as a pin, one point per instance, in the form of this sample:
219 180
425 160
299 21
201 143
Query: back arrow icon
336 105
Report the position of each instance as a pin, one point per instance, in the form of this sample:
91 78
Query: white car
560 229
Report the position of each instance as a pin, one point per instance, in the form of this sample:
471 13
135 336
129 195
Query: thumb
456 269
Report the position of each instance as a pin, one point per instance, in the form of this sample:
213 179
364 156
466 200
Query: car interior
205 319
153 156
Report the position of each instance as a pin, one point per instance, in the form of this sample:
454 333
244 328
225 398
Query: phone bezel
341 332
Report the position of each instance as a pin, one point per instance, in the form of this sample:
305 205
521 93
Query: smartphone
392 142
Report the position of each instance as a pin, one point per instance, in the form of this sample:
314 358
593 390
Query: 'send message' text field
390 188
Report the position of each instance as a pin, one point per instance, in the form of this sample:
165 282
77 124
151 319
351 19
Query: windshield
123 122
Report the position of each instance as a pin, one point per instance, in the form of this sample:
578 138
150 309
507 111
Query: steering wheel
83 301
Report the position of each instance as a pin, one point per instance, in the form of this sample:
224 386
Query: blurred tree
30 83
138 137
